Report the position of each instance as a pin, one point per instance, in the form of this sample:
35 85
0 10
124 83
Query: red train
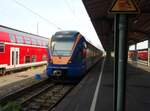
141 54
20 49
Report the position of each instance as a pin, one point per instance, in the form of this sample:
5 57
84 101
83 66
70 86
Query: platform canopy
138 24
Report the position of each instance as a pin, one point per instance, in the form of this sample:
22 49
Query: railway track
22 91
47 99
40 97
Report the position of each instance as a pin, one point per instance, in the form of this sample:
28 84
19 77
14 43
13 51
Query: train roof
16 36
67 32
73 33
18 32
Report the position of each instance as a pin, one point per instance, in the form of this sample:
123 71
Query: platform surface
15 81
82 97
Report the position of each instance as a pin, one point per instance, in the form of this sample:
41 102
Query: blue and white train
70 55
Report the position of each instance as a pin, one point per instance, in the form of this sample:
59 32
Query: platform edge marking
92 108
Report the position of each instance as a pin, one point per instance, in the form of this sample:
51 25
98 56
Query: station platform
15 81
95 91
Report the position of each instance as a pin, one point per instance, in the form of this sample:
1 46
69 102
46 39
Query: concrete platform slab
137 90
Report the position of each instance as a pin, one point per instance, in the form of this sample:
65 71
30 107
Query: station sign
124 6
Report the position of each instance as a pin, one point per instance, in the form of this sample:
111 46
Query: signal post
121 9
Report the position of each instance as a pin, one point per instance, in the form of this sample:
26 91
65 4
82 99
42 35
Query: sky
140 45
45 17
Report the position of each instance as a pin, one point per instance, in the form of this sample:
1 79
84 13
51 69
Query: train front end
63 51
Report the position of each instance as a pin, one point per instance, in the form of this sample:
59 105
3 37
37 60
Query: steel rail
16 94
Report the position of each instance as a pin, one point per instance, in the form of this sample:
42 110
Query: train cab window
19 39
2 47
62 45
33 58
27 40
27 59
12 38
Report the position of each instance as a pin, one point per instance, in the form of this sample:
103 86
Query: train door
14 56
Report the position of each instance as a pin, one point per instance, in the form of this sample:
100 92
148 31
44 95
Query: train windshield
62 45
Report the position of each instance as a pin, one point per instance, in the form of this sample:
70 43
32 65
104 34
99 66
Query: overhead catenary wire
35 13
73 12
70 8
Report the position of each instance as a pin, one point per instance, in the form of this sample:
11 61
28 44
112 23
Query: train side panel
20 50
78 64
143 55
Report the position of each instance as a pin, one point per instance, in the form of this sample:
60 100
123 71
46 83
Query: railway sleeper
39 100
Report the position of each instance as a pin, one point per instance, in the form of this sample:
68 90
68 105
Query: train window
19 39
45 43
63 38
2 46
79 56
84 45
34 41
38 42
33 58
63 48
27 59
44 57
12 38
27 40
41 43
